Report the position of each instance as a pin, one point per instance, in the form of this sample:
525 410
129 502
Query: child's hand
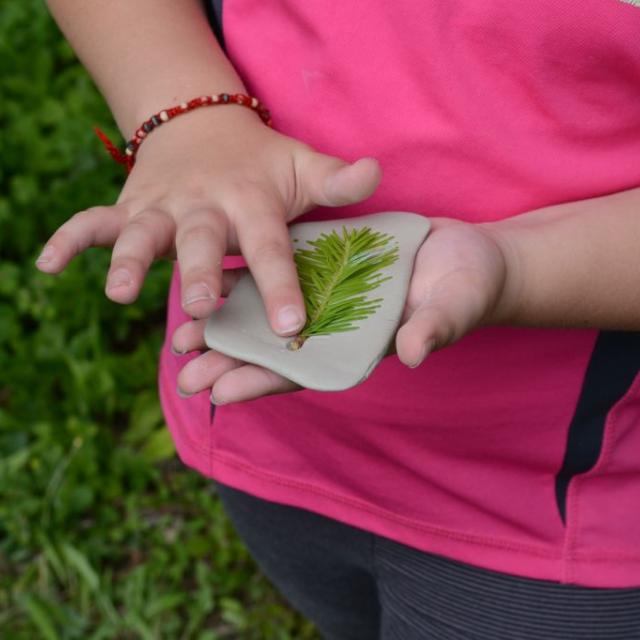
212 182
457 284
230 380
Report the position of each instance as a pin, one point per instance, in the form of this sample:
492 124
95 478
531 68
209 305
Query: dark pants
355 585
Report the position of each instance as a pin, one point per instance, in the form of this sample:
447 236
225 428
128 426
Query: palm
457 280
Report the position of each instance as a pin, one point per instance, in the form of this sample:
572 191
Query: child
491 491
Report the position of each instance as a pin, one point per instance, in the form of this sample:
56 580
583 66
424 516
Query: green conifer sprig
335 276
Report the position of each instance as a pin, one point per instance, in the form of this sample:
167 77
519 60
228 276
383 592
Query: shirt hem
607 570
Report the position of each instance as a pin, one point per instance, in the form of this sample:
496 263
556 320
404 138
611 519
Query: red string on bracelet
128 156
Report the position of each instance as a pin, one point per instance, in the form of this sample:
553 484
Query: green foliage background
103 533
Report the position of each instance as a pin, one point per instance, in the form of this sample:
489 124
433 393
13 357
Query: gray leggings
355 585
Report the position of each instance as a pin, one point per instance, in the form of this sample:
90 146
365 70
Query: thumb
331 182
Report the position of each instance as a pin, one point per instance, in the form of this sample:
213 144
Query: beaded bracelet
128 158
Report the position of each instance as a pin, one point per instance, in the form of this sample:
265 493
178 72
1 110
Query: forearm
573 265
145 54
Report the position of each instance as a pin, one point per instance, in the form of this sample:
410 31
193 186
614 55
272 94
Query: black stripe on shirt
612 368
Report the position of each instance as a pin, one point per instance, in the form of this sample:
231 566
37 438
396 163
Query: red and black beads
128 157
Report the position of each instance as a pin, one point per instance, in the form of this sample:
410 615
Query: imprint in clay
354 274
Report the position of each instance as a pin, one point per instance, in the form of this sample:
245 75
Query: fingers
189 337
98 226
200 247
146 236
249 382
231 380
416 339
202 372
266 247
454 307
330 182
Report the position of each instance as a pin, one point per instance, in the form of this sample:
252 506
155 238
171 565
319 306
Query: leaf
233 612
336 274
146 416
53 559
137 624
40 618
159 446
82 566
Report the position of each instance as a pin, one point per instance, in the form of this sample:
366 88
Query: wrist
130 114
180 92
507 305
162 117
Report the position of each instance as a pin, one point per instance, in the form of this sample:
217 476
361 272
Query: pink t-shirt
516 449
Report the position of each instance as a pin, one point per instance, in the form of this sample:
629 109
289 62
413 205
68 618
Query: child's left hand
458 284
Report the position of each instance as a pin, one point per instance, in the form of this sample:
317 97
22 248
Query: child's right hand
213 182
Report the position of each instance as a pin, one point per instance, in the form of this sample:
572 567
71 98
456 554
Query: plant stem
296 342
328 291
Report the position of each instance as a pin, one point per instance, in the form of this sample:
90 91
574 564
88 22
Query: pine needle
336 274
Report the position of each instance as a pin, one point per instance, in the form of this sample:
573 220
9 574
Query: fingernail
183 394
197 292
47 254
426 349
216 401
289 319
119 278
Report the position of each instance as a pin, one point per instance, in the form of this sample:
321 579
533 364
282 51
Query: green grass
103 533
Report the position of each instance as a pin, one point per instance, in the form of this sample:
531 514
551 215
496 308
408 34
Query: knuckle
252 198
81 216
150 217
137 225
79 220
201 367
99 210
198 273
70 238
193 192
238 182
93 215
136 206
91 212
185 378
236 204
194 188
201 215
271 250
206 214
138 257
196 232
125 262
137 238
63 237
148 231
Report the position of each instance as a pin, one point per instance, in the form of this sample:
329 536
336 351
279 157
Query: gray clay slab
326 363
